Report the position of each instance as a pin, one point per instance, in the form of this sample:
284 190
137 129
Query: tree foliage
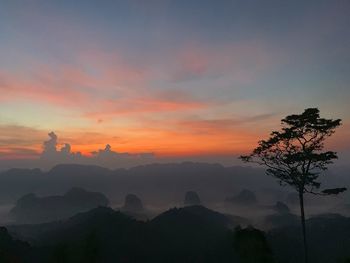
295 155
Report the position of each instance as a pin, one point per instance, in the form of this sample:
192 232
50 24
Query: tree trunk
302 215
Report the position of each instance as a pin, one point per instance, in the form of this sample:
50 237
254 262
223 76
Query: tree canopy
295 155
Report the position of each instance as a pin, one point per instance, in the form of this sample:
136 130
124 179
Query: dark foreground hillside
190 234
328 240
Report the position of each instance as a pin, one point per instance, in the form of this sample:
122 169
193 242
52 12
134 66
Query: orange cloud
18 153
19 142
45 90
146 104
100 84
167 137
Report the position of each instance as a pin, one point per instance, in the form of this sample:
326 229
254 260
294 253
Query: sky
170 78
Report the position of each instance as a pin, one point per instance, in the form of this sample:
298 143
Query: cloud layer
169 77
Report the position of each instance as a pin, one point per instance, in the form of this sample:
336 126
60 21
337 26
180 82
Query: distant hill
21 172
32 209
156 183
79 170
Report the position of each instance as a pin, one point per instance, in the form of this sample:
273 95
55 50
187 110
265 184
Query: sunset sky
174 78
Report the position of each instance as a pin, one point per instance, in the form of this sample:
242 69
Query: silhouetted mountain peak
281 208
98 212
191 198
192 214
133 203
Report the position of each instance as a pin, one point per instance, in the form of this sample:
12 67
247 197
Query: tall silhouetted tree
295 155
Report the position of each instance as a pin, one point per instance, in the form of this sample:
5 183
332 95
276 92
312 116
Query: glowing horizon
170 78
